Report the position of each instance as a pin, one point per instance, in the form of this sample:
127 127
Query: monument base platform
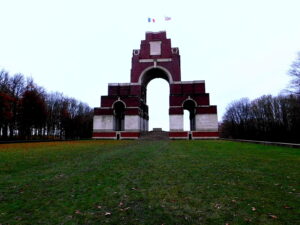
116 135
174 135
193 135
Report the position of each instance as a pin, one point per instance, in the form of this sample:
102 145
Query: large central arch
124 111
151 73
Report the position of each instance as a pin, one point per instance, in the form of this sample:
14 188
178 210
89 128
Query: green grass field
143 182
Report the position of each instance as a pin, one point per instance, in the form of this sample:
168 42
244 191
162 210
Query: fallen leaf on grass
218 206
77 212
273 216
121 204
59 175
287 207
107 214
253 209
125 209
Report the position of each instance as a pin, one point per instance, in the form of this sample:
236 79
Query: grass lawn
143 182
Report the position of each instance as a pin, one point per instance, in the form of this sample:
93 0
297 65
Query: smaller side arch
119 100
119 115
189 99
190 105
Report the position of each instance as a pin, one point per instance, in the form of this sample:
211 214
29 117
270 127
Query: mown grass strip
136 182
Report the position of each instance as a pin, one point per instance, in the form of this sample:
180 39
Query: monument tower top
156 52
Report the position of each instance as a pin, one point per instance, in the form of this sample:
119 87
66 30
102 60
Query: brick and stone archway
151 73
124 112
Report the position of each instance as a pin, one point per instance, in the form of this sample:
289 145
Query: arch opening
158 103
190 106
152 73
119 115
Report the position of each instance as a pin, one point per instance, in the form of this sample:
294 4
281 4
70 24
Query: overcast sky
241 48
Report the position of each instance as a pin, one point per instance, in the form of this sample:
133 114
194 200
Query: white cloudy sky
241 48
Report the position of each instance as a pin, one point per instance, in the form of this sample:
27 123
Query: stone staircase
155 135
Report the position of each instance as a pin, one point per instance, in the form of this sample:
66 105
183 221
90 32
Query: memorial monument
124 112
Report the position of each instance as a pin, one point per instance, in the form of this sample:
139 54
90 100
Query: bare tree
27 111
294 72
17 88
265 118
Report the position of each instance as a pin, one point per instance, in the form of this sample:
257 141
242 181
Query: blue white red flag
151 20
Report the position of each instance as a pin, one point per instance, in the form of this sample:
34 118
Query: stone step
155 135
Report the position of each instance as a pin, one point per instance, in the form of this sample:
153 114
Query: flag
151 20
167 18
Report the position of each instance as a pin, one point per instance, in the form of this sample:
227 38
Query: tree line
267 118
27 111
